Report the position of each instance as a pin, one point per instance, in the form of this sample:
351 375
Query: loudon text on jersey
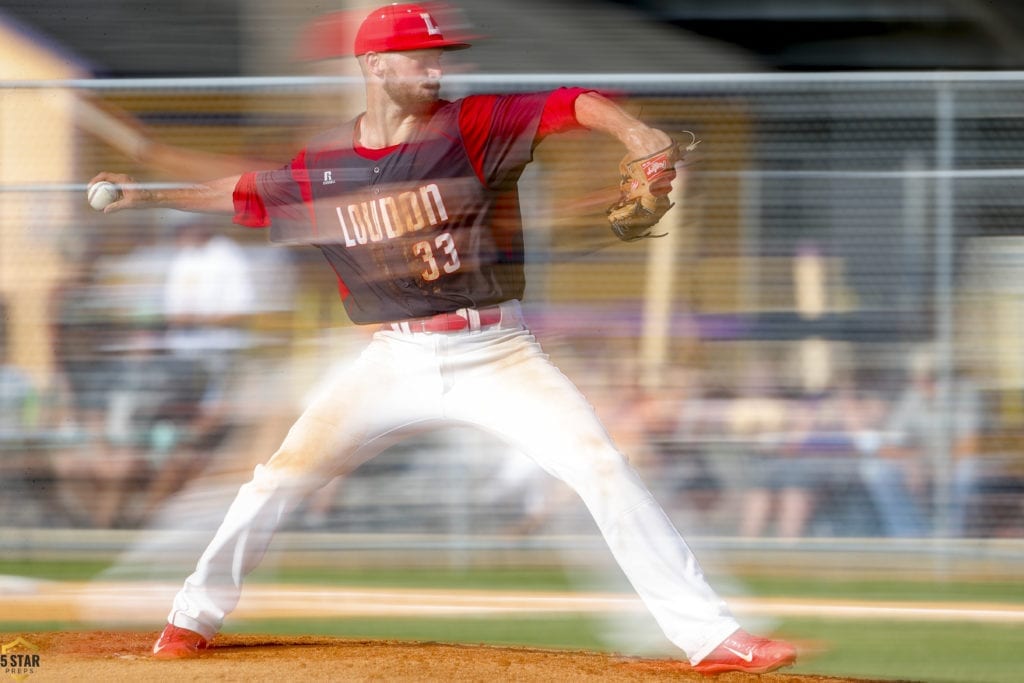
391 216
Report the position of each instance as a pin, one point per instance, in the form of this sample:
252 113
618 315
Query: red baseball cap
395 28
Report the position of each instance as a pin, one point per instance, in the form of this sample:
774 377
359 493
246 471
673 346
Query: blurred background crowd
828 343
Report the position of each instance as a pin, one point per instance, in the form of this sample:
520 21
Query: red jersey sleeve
250 210
499 132
560 112
280 199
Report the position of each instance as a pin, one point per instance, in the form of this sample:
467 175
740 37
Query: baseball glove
643 193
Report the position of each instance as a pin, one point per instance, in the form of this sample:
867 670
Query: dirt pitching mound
114 656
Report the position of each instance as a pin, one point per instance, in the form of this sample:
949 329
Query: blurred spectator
814 462
676 421
85 376
145 404
141 400
898 478
704 435
19 406
966 412
893 478
119 427
18 397
756 422
994 506
209 297
829 432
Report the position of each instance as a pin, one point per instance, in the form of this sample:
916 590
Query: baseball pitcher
414 206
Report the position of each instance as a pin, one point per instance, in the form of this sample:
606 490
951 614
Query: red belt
462 319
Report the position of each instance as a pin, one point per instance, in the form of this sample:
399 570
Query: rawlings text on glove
643 193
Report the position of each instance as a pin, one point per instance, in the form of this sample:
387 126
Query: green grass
533 578
475 579
923 590
52 570
934 652
22 627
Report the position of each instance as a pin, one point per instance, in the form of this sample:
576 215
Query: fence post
945 240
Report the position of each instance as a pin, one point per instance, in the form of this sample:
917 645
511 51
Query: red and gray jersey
424 227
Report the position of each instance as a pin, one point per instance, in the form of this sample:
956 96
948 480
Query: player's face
412 79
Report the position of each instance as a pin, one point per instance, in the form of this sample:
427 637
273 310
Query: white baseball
101 194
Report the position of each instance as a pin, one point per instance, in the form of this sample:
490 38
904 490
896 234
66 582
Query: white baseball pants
497 379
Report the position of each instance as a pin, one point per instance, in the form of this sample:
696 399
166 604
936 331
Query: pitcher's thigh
352 420
537 409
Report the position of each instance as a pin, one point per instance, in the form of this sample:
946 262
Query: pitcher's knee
275 476
610 464
607 473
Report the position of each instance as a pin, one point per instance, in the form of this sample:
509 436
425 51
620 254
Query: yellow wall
36 148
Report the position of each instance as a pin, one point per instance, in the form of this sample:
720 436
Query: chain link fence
825 344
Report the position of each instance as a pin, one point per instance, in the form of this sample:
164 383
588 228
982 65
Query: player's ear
373 64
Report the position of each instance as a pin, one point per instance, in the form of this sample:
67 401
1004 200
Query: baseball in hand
102 193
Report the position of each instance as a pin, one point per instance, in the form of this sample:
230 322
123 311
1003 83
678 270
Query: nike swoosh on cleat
745 656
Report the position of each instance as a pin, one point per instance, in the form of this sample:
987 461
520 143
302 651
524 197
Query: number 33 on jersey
400 215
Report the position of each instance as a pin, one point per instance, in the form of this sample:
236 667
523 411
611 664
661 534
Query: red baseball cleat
178 643
750 654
